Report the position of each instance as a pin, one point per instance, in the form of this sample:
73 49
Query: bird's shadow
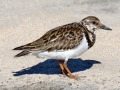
52 67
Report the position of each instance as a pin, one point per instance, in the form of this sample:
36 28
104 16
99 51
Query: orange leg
62 67
69 72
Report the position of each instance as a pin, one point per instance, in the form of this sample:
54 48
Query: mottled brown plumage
60 38
25 52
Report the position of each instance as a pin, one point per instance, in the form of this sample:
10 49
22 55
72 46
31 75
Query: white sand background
22 21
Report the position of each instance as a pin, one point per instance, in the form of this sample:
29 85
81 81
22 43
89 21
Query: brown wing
61 38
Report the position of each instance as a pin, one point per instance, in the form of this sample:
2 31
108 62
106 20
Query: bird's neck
89 34
90 37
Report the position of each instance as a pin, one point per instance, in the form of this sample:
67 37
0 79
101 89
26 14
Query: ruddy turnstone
65 42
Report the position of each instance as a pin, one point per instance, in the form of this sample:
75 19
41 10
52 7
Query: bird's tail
23 53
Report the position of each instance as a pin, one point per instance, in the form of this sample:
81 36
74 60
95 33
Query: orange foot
76 77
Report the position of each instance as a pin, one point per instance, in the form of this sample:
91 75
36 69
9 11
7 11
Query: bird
65 42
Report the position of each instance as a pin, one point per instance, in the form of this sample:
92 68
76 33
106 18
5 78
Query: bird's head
92 23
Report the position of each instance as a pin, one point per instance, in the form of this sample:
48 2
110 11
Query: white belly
65 55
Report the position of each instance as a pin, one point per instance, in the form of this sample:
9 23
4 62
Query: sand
22 21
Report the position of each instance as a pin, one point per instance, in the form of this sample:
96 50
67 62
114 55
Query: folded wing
60 38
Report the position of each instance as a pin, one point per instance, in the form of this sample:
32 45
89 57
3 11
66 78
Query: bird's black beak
104 27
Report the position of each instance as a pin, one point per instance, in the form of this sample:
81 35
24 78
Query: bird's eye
94 22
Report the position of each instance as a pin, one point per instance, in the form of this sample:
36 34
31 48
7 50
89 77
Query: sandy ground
22 21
